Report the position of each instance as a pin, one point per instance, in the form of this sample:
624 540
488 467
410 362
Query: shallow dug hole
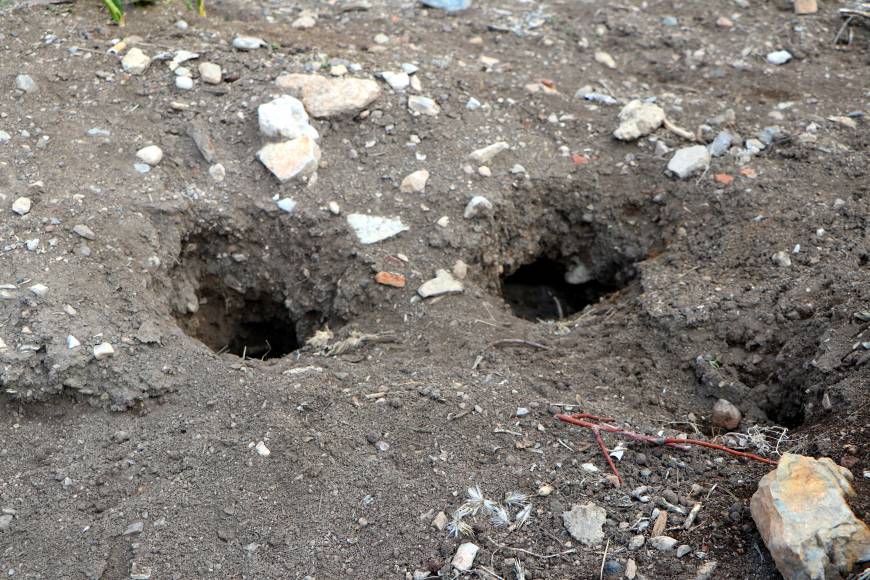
245 297
548 289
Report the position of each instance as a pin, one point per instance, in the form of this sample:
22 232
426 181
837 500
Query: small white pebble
103 350
262 450
72 342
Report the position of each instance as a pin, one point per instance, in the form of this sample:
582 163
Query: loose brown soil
685 305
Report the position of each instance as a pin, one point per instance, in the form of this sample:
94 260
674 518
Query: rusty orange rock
390 279
723 178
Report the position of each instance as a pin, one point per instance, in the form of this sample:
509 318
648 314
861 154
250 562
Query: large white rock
486 154
637 119
289 159
370 229
442 283
22 205
285 117
135 61
801 512
585 522
689 160
330 97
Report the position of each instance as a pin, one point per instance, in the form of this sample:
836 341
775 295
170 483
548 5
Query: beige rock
210 73
726 415
330 97
442 283
296 158
605 59
801 512
415 182
135 61
805 7
637 119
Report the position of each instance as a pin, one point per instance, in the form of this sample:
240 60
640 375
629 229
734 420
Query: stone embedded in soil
5 522
210 73
463 560
152 155
477 206
706 570
604 58
663 543
801 512
135 61
683 550
631 569
721 144
423 106
370 229
290 159
781 259
779 57
84 231
261 449
637 119
103 350
285 117
661 522
398 81
415 182
439 522
726 415
442 283
22 205
689 160
585 523
304 22
390 279
325 97
39 290
286 204
134 528
183 83
248 42
25 83
486 154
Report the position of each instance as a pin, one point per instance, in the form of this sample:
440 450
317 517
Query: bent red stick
580 420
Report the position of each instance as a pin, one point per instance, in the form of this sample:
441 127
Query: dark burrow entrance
548 290
250 325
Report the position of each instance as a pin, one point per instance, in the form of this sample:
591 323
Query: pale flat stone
486 154
585 522
637 119
304 22
605 59
330 97
477 206
689 160
290 159
210 73
22 205
463 560
248 42
423 106
285 117
84 231
415 182
442 283
801 512
370 229
135 61
398 81
152 155
103 350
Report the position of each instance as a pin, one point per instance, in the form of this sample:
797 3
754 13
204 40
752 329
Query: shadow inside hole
539 291
253 325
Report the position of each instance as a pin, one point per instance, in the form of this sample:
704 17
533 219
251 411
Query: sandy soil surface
235 323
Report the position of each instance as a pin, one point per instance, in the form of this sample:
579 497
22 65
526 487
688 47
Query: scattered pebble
423 105
447 5
488 153
663 543
25 83
135 61
286 204
415 182
463 560
248 42
84 231
604 58
183 83
390 279
683 550
152 155
398 81
689 160
779 57
726 415
134 528
477 206
103 350
781 259
304 22
637 119
325 97
285 117
585 523
210 73
721 144
22 205
262 450
39 290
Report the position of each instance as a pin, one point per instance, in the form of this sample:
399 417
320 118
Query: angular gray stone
486 154
689 160
423 105
463 560
135 61
477 205
721 144
25 83
801 512
663 543
726 415
585 523
210 73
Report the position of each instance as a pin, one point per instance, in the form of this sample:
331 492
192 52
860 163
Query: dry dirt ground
370 442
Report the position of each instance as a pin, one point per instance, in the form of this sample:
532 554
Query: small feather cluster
499 515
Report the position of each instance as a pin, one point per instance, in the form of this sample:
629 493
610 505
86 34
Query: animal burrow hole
552 286
237 298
